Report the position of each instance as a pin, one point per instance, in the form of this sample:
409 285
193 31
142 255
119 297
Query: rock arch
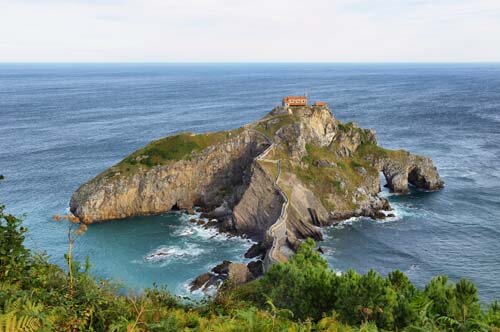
415 170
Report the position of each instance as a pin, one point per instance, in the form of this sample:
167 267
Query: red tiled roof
320 103
295 100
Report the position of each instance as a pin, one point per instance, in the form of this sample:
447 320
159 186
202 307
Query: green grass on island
271 124
343 177
171 148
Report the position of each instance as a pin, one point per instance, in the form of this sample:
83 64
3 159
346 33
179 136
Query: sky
249 31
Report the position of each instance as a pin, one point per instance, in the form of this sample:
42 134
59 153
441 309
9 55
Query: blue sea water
61 124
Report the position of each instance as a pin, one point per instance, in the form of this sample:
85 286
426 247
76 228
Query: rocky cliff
177 172
276 180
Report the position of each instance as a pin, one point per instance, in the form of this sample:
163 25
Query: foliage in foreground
36 295
309 289
302 295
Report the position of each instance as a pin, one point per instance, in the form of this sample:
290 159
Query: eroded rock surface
415 170
207 178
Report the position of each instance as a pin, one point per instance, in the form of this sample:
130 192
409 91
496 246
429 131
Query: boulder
255 250
201 281
324 163
222 268
220 212
256 268
238 274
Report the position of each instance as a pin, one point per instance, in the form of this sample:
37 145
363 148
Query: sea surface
61 124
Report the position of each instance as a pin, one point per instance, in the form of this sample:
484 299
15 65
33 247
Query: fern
11 323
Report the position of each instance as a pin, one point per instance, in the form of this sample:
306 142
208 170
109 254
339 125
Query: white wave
190 228
186 232
209 233
413 269
165 253
405 210
399 212
327 251
200 292
349 221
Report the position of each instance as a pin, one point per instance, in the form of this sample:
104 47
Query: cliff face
261 196
276 180
207 178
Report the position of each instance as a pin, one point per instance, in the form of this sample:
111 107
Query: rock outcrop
415 170
277 180
261 196
234 273
205 178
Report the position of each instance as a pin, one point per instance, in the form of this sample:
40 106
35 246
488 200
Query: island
277 180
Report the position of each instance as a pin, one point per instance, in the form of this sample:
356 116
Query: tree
467 302
13 254
442 295
404 313
492 316
303 285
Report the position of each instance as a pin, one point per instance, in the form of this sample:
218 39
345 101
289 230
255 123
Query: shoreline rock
234 273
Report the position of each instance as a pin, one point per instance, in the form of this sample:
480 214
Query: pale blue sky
243 30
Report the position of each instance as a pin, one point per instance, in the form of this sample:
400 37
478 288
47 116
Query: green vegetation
270 125
270 168
170 148
351 128
38 296
301 295
342 174
307 288
371 151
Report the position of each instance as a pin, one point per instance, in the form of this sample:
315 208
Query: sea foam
166 253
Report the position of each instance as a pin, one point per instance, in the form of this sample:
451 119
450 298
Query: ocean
61 124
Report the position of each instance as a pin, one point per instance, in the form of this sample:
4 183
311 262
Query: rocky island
277 180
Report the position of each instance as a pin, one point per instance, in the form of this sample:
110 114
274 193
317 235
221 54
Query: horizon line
246 62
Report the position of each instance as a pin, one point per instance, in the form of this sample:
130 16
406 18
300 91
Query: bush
13 254
301 295
303 285
311 290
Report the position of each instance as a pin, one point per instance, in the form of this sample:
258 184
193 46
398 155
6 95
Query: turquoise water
60 125
192 250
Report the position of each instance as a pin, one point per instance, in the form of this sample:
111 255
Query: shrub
302 285
311 290
13 254
301 295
